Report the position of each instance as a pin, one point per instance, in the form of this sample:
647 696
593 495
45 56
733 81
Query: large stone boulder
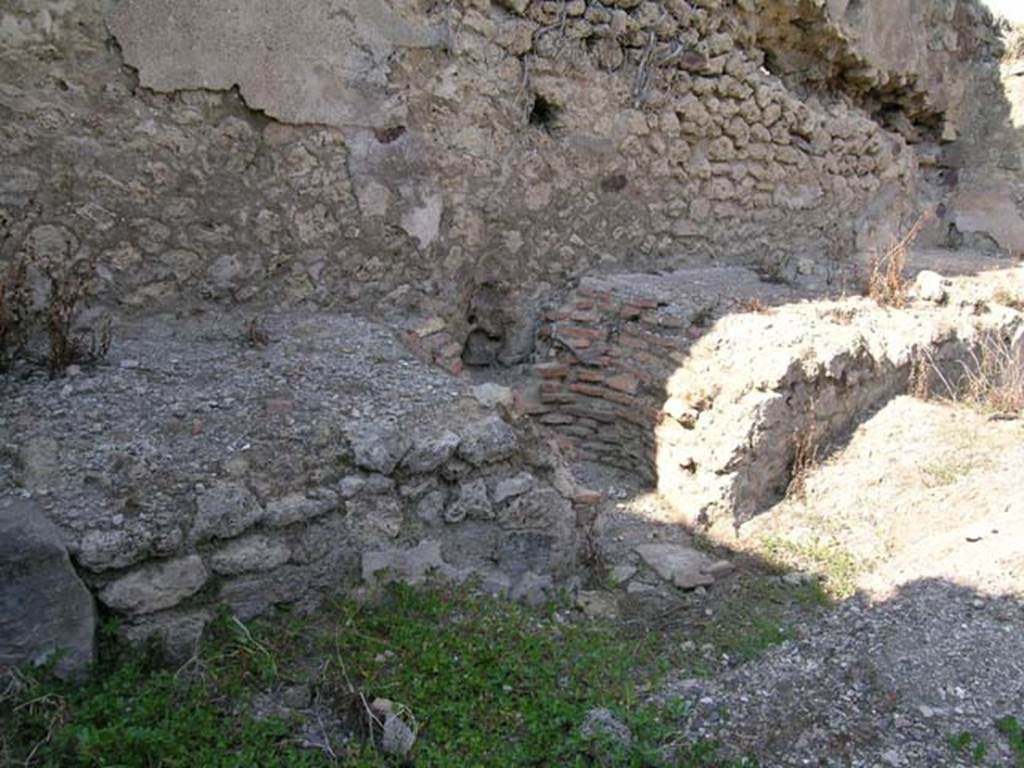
44 607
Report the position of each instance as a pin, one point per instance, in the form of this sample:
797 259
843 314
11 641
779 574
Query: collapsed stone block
45 610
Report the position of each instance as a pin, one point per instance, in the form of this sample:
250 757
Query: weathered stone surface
930 286
300 507
411 566
45 610
378 448
429 453
156 586
257 552
472 502
532 589
535 551
536 508
510 487
284 59
487 441
177 635
373 516
225 510
684 567
598 605
492 395
252 594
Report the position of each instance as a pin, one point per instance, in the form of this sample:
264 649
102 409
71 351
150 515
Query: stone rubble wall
200 471
611 348
514 144
709 395
453 507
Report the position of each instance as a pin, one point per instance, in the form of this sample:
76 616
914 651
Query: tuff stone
487 441
225 510
155 586
45 610
378 448
511 487
411 566
300 507
251 553
427 454
472 502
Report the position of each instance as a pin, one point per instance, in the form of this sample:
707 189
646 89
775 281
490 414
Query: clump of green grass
1010 727
967 745
827 558
487 683
756 618
948 471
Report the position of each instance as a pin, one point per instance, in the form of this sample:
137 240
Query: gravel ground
881 684
927 499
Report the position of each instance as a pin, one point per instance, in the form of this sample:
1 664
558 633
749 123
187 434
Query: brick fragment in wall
590 412
580 333
554 398
588 390
552 370
557 419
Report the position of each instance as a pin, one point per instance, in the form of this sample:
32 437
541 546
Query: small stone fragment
601 723
378 448
931 286
488 441
427 454
398 738
512 486
683 566
224 511
157 586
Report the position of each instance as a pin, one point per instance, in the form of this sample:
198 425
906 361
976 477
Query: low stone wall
197 470
615 343
711 395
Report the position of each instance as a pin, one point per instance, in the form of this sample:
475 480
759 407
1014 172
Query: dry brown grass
887 283
1008 299
806 447
754 305
13 310
24 326
991 377
66 345
256 334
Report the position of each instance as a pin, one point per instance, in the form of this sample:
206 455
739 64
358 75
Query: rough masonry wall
201 470
612 347
444 147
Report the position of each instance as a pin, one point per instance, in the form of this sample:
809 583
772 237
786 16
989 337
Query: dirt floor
915 525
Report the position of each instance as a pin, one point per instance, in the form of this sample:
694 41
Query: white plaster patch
424 223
